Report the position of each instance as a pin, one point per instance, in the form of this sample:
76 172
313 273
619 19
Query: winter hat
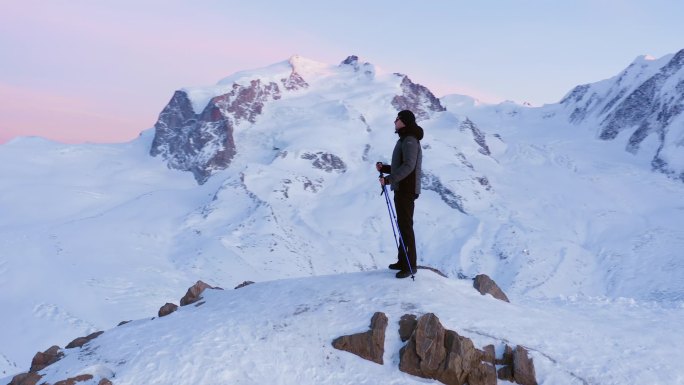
407 117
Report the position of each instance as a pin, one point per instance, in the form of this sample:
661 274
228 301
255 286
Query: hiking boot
403 274
396 266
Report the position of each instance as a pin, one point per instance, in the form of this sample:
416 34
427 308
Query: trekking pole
393 222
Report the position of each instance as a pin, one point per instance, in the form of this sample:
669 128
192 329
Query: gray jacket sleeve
409 151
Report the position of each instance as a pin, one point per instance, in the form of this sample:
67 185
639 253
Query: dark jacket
407 159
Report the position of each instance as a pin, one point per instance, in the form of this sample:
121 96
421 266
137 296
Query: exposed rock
486 285
489 354
407 324
73 380
46 358
432 269
507 358
123 323
433 352
483 373
326 162
506 373
416 98
194 293
429 344
369 345
80 341
167 309
243 284
431 182
203 143
104 381
461 357
478 136
25 379
523 367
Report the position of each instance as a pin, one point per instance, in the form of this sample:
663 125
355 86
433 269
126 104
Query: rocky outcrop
194 293
486 285
243 284
167 309
74 380
80 341
440 354
431 182
203 142
416 98
25 379
478 136
44 359
369 345
326 162
517 366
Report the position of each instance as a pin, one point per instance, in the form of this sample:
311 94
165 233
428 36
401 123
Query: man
404 179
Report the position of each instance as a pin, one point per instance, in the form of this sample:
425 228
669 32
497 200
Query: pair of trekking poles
395 228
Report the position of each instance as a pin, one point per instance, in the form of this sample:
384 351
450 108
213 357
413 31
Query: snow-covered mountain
642 107
270 174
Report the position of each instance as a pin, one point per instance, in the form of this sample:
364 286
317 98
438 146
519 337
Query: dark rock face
46 358
80 341
431 182
167 309
203 143
486 285
369 345
646 108
243 284
478 136
194 293
416 98
326 162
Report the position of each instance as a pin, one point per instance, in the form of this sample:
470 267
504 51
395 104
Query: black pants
404 204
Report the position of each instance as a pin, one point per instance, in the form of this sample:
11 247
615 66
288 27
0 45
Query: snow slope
91 235
281 331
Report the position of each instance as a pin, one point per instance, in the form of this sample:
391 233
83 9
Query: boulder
167 309
80 341
523 367
104 381
486 285
369 345
429 343
194 293
46 358
25 379
443 355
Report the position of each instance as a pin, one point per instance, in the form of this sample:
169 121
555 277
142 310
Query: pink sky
79 70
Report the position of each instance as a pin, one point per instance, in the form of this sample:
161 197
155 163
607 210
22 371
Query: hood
413 130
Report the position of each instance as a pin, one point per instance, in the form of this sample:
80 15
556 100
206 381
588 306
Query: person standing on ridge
404 179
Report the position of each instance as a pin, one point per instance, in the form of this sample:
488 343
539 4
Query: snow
582 236
281 332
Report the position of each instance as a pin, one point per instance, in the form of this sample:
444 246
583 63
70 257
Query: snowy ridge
94 234
281 332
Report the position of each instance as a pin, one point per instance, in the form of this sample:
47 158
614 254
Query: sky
94 71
